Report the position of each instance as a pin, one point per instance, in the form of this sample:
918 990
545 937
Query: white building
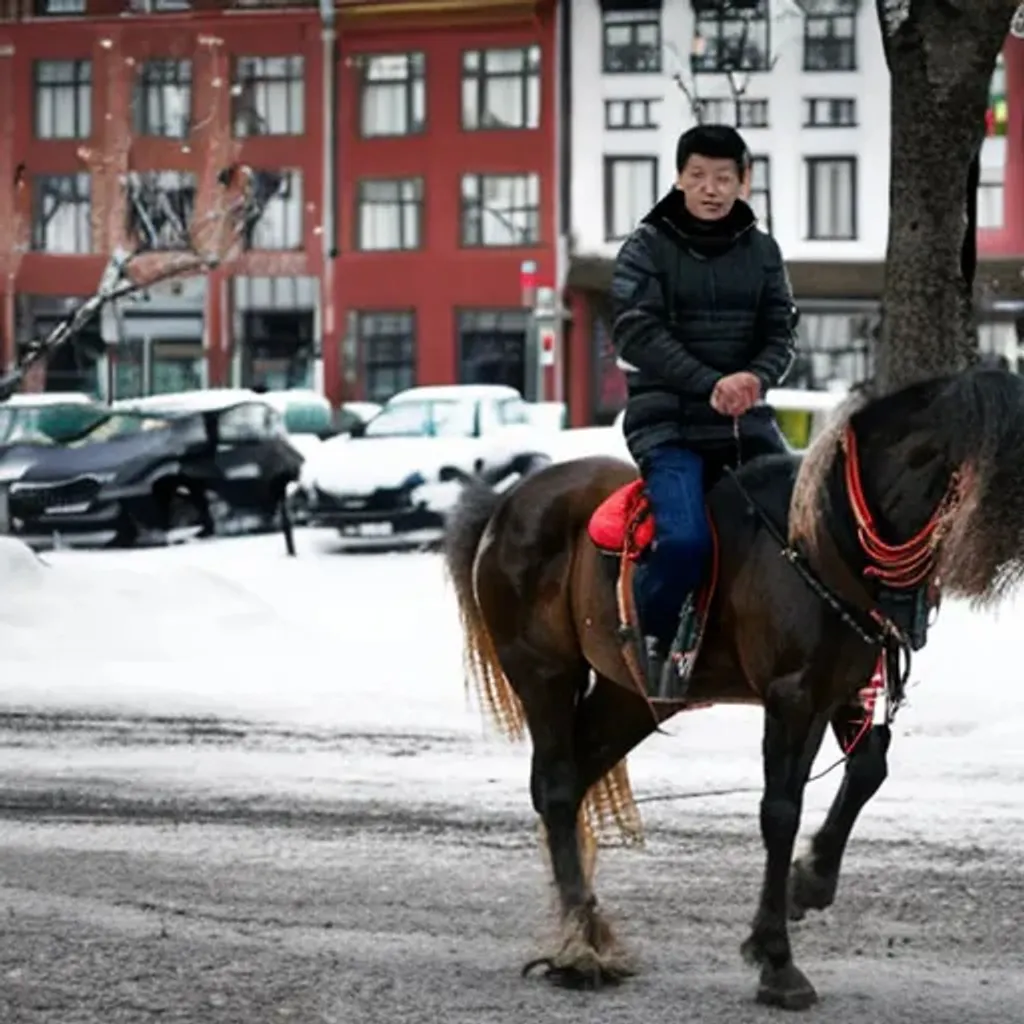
814 109
806 83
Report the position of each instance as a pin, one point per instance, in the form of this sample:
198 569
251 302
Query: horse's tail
465 527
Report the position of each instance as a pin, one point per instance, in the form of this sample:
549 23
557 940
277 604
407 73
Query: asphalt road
120 905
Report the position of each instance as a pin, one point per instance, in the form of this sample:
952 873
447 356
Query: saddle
622 528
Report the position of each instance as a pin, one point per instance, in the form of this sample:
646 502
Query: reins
898 566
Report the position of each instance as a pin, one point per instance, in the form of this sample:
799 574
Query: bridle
899 566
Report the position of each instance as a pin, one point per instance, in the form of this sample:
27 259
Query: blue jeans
678 558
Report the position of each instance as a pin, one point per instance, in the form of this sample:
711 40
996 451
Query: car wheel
181 512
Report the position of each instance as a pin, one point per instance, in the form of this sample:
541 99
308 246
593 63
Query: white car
396 478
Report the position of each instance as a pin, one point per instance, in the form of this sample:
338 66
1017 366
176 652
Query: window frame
835 103
610 160
398 367
415 77
81 197
466 205
635 20
760 106
647 106
827 13
162 181
184 78
291 175
811 163
81 89
266 81
479 78
418 202
757 29
763 160
510 323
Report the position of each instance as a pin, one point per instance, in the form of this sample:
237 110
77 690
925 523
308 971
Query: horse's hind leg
815 875
587 954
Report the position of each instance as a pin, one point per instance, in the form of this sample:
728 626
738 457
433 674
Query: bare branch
691 92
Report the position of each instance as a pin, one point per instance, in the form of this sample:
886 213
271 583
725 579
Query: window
492 346
512 412
163 98
760 198
60 8
393 95
991 193
501 88
621 115
390 214
269 96
751 113
62 212
631 43
63 93
500 209
738 113
716 111
830 113
731 38
832 198
160 209
830 35
244 423
630 190
280 224
835 344
387 342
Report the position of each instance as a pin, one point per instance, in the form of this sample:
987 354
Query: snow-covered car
395 479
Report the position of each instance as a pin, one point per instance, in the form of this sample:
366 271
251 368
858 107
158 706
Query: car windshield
120 425
46 424
437 418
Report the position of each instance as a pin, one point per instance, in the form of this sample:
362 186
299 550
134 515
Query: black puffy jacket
694 301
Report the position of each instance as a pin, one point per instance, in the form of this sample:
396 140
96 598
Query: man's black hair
718 141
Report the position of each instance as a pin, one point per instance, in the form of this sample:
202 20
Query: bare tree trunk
941 54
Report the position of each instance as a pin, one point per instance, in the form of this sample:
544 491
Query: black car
218 464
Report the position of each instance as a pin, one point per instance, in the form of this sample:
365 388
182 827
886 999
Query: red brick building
413 153
451 116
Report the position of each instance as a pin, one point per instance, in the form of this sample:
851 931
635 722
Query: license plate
376 529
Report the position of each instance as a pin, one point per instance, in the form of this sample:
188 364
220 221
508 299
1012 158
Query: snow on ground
360 655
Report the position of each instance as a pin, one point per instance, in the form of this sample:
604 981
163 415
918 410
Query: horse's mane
975 420
805 507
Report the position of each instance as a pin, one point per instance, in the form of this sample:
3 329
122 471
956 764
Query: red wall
1009 240
434 281
211 40
442 276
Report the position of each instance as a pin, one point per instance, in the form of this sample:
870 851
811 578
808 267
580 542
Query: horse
830 566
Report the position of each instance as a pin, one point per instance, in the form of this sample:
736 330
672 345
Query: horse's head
938 469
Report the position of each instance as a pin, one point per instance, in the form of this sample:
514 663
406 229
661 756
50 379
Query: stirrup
674 679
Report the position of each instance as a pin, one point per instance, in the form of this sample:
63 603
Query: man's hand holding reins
736 394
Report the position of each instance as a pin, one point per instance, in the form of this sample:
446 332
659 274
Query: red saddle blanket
623 523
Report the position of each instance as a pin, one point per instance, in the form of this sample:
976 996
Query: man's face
711 186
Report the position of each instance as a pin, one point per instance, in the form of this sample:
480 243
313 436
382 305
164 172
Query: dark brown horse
905 494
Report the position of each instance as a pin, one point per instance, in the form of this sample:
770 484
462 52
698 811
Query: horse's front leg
792 737
815 875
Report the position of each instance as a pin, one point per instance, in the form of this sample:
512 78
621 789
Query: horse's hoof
591 976
786 988
808 890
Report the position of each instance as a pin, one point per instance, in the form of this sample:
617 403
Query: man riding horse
703 325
